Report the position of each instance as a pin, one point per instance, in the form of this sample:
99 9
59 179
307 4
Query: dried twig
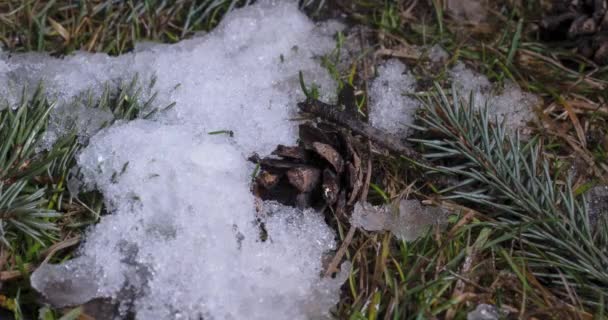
333 265
336 115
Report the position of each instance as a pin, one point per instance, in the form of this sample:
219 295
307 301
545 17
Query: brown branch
335 261
7 215
334 114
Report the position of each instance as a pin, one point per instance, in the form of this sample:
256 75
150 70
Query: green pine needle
32 181
511 178
22 211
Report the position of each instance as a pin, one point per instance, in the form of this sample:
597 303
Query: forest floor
449 271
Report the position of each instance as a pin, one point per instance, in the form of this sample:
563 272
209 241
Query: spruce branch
33 181
23 205
20 129
510 177
25 212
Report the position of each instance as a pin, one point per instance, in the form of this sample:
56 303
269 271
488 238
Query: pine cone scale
583 23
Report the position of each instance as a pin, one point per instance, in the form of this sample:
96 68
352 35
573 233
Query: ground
449 271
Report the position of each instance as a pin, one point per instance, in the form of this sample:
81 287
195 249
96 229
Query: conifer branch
512 179
32 181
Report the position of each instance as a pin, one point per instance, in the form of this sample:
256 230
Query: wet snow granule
390 108
509 103
182 240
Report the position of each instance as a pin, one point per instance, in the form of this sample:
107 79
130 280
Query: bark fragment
330 154
305 179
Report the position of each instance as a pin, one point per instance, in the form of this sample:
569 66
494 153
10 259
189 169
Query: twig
334 114
48 253
333 265
52 250
14 274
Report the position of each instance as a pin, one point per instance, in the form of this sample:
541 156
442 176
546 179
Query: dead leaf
305 179
60 30
290 152
267 179
330 154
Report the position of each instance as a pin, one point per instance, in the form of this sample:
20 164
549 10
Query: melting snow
509 104
438 54
183 239
393 110
390 108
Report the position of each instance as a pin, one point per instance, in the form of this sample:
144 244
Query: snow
509 104
469 80
217 70
438 54
407 220
183 237
390 108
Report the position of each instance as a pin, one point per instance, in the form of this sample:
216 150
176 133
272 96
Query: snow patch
390 108
183 237
438 54
509 104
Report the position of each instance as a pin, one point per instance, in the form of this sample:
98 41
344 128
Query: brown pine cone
579 24
323 169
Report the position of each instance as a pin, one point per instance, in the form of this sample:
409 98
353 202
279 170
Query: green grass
443 274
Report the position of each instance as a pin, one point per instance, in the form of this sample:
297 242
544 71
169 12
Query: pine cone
583 24
324 168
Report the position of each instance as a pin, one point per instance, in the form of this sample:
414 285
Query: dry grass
113 27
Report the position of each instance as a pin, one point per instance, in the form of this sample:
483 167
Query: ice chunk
483 312
370 218
183 239
390 108
407 220
72 283
414 219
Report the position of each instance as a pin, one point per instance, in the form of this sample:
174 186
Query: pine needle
511 178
